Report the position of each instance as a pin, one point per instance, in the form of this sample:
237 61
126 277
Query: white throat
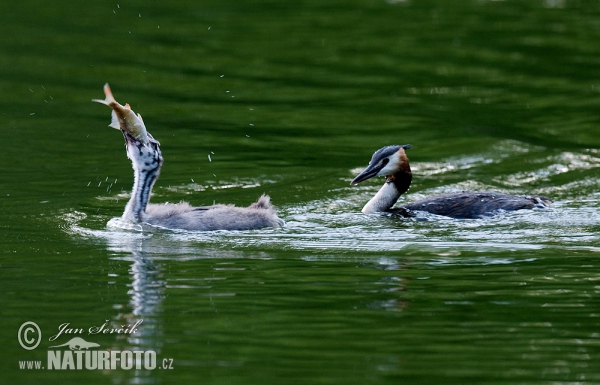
385 198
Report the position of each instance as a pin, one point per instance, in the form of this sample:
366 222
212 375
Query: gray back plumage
218 217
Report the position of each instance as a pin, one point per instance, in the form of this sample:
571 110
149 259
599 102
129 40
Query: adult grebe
146 158
392 162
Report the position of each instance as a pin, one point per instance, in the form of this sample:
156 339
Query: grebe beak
368 173
129 139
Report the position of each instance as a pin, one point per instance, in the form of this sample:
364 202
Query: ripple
335 224
308 230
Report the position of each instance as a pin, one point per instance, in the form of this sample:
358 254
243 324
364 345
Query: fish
123 117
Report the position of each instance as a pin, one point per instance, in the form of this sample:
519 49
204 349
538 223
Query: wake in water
336 224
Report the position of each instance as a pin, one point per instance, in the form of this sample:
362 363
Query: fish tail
109 98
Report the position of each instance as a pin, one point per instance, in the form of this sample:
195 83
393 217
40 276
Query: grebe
147 160
392 162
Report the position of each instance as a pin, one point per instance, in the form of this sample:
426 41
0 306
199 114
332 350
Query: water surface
291 99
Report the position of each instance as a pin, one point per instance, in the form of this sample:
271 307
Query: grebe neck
145 175
387 196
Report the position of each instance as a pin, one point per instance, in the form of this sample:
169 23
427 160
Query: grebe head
386 161
145 155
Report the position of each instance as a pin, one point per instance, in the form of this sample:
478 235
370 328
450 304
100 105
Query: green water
291 99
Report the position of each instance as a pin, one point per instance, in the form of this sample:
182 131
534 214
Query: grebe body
146 158
392 162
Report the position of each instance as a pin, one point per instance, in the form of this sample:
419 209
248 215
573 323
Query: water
291 99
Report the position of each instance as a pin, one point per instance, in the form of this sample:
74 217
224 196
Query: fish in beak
123 118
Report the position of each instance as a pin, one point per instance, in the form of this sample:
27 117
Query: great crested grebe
147 160
392 162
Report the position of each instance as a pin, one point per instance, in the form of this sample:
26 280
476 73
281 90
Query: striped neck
147 162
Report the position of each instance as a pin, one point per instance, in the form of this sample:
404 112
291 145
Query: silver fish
123 117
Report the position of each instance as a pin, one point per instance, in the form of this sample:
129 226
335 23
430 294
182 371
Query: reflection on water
413 255
335 282
147 291
245 272
288 98
256 302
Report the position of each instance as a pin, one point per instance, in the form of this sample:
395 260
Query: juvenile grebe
392 162
146 158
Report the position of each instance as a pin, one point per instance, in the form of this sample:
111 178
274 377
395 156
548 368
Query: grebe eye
385 162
